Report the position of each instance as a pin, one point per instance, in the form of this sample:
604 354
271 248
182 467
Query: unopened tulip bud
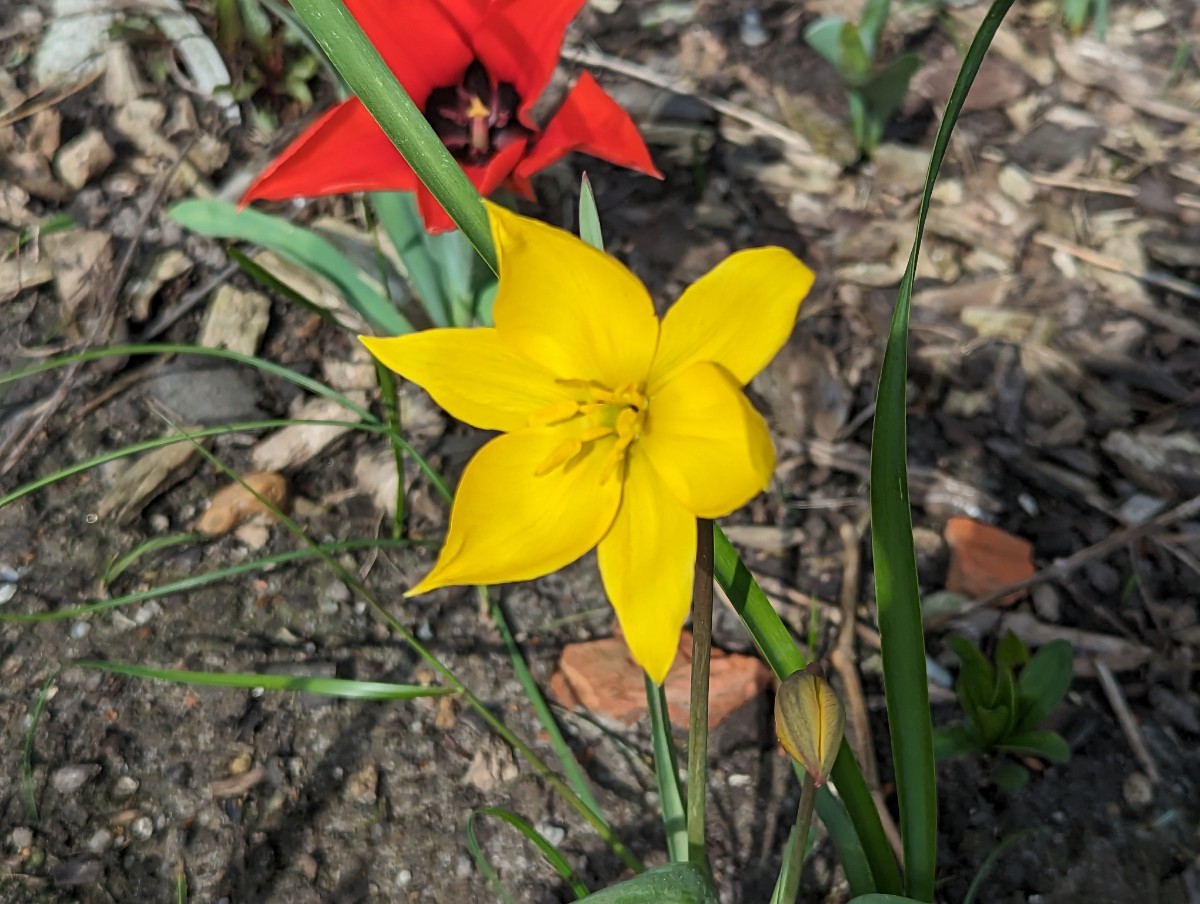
809 721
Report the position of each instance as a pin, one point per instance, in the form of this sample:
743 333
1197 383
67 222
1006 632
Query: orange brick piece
983 559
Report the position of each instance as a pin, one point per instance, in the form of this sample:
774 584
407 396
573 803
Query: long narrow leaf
398 215
549 851
666 771
220 219
896 586
329 687
368 76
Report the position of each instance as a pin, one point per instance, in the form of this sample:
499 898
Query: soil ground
1052 393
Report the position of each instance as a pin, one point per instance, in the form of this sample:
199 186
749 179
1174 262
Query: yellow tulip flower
618 430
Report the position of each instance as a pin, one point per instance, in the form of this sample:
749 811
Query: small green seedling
1005 703
1076 14
873 93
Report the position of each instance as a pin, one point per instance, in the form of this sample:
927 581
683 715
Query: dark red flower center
475 119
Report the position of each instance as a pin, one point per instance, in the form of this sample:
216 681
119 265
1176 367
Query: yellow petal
508 525
571 308
738 314
647 561
472 374
707 442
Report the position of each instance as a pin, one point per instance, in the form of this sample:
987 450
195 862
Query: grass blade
398 215
666 770
343 688
897 591
549 851
589 216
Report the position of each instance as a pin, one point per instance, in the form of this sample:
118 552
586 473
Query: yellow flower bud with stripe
809 721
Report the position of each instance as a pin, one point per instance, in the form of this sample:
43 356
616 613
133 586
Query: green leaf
589 217
976 683
825 37
884 899
994 723
401 221
1010 776
898 595
220 219
886 89
118 565
1049 745
1043 683
549 851
360 64
666 771
675 883
953 741
855 66
329 687
1010 652
870 27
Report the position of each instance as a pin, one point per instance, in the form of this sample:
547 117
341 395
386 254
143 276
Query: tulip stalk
702 612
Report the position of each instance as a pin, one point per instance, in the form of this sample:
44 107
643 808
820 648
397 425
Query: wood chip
234 504
83 158
236 320
293 446
81 258
150 474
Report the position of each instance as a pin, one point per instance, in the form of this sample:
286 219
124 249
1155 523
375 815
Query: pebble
21 837
126 786
142 828
80 630
77 872
1138 791
739 780
552 832
7 592
403 878
424 632
463 867
751 30
72 778
100 842
1047 603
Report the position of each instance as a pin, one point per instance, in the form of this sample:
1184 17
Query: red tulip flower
475 68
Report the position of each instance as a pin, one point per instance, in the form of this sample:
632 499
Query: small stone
1015 183
552 832
72 778
142 828
80 630
403 878
21 837
125 786
308 866
362 784
77 872
1138 791
83 158
1047 603
100 842
739 780
463 867
751 30
7 592
240 764
424 632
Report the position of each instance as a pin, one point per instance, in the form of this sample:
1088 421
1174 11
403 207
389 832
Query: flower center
473 118
601 413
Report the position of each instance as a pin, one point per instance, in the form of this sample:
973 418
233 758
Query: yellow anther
562 410
594 433
562 454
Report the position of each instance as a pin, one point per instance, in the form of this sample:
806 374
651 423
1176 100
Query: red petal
486 177
590 121
343 151
426 43
519 42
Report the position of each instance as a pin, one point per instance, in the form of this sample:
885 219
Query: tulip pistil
475 118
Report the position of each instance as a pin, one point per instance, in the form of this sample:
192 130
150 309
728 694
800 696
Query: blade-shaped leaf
220 219
1043 683
1049 745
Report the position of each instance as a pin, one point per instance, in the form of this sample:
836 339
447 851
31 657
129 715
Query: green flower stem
702 606
804 814
368 76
